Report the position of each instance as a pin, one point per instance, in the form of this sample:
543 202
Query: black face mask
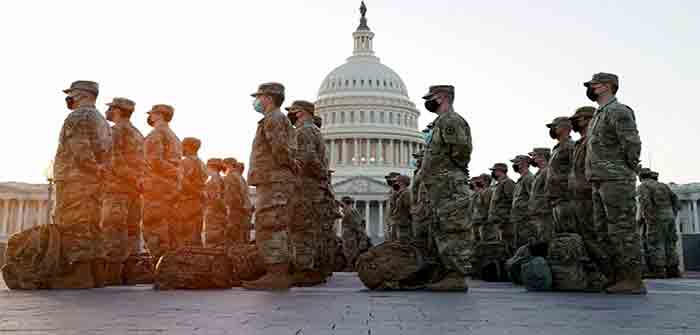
575 127
516 167
553 133
590 93
532 163
396 187
70 102
431 105
292 119
150 121
493 175
471 187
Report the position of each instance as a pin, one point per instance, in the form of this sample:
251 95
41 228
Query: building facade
370 127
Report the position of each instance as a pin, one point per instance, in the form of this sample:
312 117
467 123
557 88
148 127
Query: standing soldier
234 203
582 192
272 166
421 214
311 153
122 204
480 208
191 206
389 233
557 182
215 222
445 174
247 204
673 269
499 209
539 209
401 212
657 206
524 231
79 165
611 164
352 232
162 182
329 213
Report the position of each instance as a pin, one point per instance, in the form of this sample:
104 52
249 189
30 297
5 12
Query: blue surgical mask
428 136
258 106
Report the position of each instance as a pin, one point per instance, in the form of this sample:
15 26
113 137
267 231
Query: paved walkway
343 306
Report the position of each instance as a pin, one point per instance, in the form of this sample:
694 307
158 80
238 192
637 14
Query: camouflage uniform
401 214
556 184
352 234
539 208
421 213
122 205
246 225
161 186
311 153
329 212
480 207
234 200
192 197
445 174
524 231
499 210
657 204
215 215
389 231
613 151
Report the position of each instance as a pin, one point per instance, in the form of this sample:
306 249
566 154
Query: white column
369 149
20 216
679 243
356 149
367 217
380 151
344 158
390 156
5 212
381 219
694 214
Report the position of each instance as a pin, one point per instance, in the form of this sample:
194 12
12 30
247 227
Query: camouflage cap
419 154
301 104
499 166
645 173
406 180
603 77
392 175
84 85
166 110
230 161
561 121
318 121
540 151
485 177
583 112
191 143
654 175
271 88
347 199
215 163
122 103
520 158
449 89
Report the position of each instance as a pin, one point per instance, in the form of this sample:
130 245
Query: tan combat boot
453 282
276 278
308 278
628 282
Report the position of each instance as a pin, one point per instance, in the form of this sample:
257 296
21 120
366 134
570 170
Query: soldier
192 197
539 209
499 208
389 233
421 214
611 164
161 182
272 166
352 232
122 204
401 211
480 208
247 204
235 210
311 153
582 192
658 206
524 231
79 165
215 215
556 184
445 174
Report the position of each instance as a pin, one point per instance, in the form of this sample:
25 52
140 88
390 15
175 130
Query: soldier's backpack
489 261
515 264
565 256
194 268
536 275
247 264
33 258
390 265
138 269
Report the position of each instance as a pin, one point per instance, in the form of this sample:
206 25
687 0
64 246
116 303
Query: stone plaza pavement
343 306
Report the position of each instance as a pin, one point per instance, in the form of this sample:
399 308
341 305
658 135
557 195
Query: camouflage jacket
245 195
271 159
480 207
450 146
352 222
521 198
233 191
163 158
194 176
390 203
656 201
83 146
401 211
501 201
127 163
557 183
538 204
214 190
311 152
613 146
578 185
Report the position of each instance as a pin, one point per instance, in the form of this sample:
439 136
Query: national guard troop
236 212
272 166
215 213
401 211
445 174
389 231
557 182
539 209
192 196
162 182
499 225
524 231
352 232
612 162
480 206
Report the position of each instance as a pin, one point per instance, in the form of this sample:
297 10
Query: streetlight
48 173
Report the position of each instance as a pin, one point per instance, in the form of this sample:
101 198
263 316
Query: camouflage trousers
506 233
215 226
121 215
524 232
272 218
305 227
191 213
351 246
661 239
614 210
78 211
238 225
564 217
544 224
583 209
404 232
159 215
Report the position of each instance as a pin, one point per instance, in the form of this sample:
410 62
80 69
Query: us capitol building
370 127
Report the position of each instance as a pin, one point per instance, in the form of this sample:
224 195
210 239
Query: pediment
360 184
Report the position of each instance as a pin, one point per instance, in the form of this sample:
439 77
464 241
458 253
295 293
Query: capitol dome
370 127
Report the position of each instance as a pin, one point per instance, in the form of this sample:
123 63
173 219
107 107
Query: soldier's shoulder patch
450 130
